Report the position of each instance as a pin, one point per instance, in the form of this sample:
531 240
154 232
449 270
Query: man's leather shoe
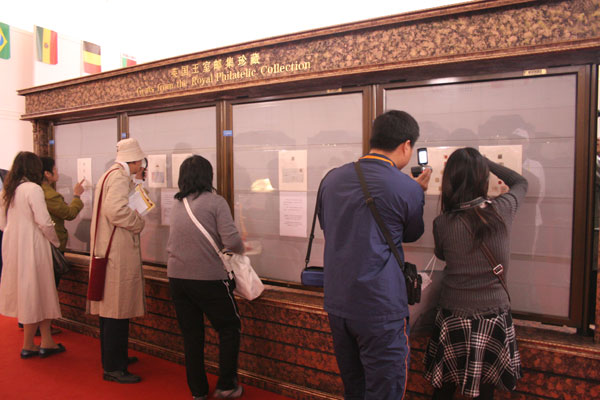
123 376
47 352
29 353
132 360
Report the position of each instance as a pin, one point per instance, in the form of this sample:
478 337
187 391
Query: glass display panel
529 124
168 138
282 150
87 148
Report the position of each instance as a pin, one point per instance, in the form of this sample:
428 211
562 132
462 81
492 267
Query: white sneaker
229 394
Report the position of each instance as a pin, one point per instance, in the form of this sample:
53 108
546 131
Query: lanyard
374 157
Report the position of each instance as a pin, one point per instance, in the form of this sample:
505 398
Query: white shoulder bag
247 284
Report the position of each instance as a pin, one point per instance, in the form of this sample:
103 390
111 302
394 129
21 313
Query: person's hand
79 189
423 178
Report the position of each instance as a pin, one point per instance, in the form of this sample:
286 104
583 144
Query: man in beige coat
124 286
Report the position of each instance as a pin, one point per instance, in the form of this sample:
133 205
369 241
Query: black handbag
412 278
60 263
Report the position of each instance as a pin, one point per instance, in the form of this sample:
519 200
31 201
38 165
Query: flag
4 41
91 58
127 61
46 44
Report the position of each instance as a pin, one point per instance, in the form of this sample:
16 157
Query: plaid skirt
467 352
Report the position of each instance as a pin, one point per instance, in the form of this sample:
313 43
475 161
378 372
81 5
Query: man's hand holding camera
422 172
423 178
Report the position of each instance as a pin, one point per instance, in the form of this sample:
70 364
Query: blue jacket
363 280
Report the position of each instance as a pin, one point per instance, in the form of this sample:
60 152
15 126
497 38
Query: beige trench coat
27 287
124 288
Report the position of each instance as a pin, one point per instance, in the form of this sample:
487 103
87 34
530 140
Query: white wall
23 71
15 73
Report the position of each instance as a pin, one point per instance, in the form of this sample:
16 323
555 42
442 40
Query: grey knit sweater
468 285
191 256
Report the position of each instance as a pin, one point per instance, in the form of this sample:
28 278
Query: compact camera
421 160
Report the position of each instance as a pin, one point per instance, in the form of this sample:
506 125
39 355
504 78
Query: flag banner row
4 41
127 61
91 58
47 45
46 49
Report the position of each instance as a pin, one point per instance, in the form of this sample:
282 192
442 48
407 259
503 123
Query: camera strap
477 202
497 268
371 204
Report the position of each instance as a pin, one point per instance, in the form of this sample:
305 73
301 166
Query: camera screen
422 155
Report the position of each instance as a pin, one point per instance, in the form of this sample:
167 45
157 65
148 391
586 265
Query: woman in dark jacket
473 345
198 281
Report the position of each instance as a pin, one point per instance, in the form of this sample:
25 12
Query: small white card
84 171
167 198
157 170
176 160
292 214
292 170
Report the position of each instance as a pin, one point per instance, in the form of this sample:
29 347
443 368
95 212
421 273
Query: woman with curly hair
27 288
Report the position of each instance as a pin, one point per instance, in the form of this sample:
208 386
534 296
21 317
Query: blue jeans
372 357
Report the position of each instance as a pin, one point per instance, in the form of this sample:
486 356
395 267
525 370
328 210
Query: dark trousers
372 357
193 299
114 337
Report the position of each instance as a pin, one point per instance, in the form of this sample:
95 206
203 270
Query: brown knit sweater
468 285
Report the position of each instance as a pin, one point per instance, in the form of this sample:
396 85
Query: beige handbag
247 284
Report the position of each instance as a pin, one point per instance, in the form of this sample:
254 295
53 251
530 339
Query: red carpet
77 373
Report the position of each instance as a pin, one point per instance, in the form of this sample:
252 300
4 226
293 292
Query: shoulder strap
371 204
497 268
98 217
312 229
200 226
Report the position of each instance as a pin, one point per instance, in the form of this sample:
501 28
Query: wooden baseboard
247 377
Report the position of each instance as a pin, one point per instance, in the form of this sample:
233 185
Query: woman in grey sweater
473 345
198 281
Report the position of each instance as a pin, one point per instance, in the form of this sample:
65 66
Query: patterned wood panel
483 31
287 348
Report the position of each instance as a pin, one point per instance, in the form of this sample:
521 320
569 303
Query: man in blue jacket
365 292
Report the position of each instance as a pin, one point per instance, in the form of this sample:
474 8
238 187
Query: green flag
4 41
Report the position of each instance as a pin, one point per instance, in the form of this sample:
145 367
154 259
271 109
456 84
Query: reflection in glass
287 146
528 123
168 138
83 144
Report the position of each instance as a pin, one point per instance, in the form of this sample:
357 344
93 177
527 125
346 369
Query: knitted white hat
128 150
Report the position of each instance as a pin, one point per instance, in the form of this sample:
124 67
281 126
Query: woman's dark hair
195 176
393 128
26 165
48 164
466 177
